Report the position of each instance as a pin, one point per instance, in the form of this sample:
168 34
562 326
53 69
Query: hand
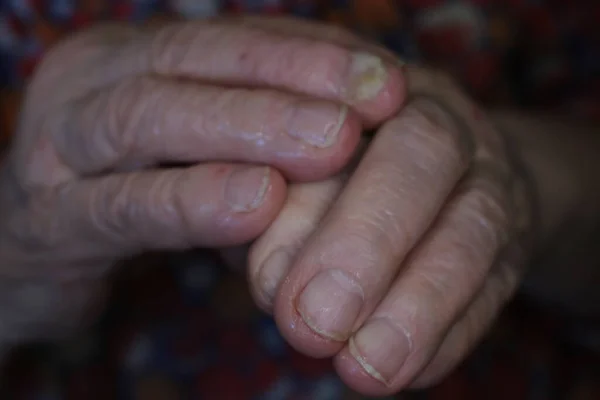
83 186
399 271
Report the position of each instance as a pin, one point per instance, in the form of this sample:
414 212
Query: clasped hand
393 256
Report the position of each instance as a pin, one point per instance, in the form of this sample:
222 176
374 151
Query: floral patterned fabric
181 327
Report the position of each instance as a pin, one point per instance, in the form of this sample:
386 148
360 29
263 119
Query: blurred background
182 327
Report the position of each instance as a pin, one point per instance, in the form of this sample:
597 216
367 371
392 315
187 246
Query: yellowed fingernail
367 76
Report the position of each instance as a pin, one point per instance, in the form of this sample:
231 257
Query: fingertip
343 151
272 256
243 226
318 163
388 100
396 92
293 328
259 219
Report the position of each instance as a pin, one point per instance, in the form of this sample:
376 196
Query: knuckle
110 210
490 213
127 110
128 211
170 46
125 114
131 210
372 238
388 231
382 213
387 226
41 157
34 225
440 132
83 50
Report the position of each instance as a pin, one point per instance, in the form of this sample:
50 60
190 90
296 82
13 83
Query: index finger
240 54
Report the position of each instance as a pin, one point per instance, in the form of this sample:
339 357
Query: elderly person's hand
398 267
173 137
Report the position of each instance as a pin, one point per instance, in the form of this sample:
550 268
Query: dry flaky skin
459 273
419 241
438 182
80 188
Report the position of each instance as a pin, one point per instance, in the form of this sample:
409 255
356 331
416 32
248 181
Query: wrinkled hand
398 268
83 186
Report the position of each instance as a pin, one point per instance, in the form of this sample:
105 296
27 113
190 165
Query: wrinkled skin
398 268
413 248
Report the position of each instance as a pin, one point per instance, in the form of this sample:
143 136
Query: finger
467 332
444 273
210 205
145 121
418 80
392 198
245 55
272 254
373 113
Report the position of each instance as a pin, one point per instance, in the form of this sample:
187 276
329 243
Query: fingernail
367 76
317 123
381 349
330 304
272 273
246 188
